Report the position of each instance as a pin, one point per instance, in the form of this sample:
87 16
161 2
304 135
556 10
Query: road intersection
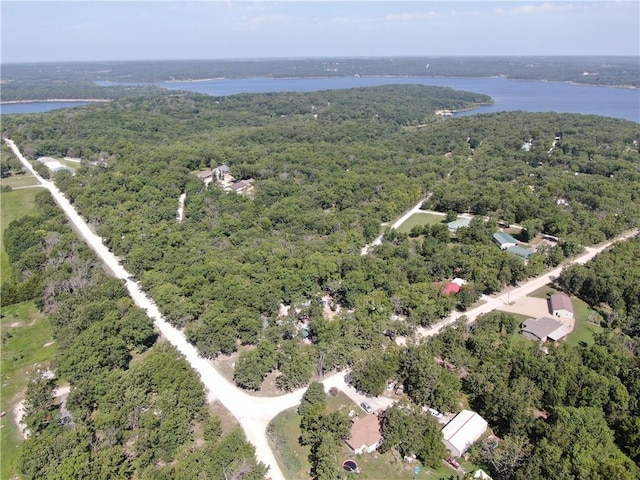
254 413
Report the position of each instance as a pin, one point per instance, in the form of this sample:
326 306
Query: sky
56 31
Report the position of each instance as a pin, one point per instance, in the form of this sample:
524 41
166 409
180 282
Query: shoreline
320 77
54 100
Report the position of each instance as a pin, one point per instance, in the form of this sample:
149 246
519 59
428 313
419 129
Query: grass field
24 333
420 218
13 206
20 181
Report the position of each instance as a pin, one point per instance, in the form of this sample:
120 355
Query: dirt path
416 208
180 216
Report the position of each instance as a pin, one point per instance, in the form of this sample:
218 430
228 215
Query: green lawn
20 181
24 333
584 330
544 292
13 206
420 218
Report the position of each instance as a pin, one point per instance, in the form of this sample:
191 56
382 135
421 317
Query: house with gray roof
221 171
543 329
504 240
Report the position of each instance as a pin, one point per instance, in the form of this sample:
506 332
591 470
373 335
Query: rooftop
543 328
364 431
464 430
560 301
502 237
520 251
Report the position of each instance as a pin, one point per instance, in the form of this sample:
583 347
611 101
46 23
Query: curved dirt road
255 413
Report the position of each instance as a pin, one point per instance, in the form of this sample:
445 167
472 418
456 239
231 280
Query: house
243 186
55 166
560 306
365 436
504 240
543 329
220 172
481 474
206 176
519 251
463 431
451 289
459 223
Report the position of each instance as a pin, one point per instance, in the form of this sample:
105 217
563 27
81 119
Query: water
509 95
37 107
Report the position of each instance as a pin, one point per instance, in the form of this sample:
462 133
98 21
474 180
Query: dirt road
255 413
416 208
493 303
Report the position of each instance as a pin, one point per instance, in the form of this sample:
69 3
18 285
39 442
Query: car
434 412
391 386
400 390
366 407
453 462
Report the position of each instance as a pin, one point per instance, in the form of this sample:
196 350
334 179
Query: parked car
434 412
367 408
400 390
453 462
391 386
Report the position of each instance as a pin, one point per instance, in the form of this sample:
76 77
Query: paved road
255 413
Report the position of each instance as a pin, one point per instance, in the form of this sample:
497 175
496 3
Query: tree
507 456
409 430
324 458
314 395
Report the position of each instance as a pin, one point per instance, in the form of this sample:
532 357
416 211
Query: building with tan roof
365 436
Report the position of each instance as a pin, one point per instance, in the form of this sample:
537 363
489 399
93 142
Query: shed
365 436
560 306
504 240
463 431
543 329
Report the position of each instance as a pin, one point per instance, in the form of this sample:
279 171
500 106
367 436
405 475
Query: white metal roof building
463 431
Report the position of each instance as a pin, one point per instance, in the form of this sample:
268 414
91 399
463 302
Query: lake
529 96
509 95
37 107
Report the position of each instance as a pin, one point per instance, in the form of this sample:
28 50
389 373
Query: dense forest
136 409
329 168
77 80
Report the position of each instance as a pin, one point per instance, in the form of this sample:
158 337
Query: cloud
412 16
533 9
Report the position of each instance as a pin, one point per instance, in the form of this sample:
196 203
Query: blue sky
35 31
